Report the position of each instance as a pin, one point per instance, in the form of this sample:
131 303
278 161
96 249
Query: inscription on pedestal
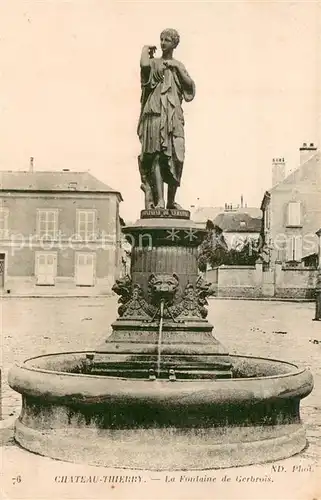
171 213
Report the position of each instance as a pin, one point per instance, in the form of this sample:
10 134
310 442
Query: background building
239 223
288 244
59 233
239 226
292 210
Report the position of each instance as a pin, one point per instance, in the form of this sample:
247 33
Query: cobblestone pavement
281 330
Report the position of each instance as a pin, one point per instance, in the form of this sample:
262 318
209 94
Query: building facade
240 226
238 223
59 233
292 211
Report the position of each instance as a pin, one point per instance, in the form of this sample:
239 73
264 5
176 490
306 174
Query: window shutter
4 214
297 248
294 213
294 248
289 248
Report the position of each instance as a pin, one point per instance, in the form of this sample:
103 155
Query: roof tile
52 181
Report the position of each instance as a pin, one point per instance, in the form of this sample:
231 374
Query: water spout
160 330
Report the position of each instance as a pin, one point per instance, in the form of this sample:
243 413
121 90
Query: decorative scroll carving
193 301
137 306
133 303
191 304
123 287
204 290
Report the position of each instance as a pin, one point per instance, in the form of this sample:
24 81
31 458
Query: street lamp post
318 283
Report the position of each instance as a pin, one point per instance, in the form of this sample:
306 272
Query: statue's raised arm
165 84
147 54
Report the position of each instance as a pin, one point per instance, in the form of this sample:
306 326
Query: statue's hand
151 50
171 63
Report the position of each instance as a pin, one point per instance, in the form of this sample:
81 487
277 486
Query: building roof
241 219
307 171
265 200
238 222
52 181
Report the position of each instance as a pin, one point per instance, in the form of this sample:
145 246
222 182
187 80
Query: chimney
241 201
278 171
306 151
31 164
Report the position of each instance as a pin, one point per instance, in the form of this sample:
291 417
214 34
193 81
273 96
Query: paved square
281 330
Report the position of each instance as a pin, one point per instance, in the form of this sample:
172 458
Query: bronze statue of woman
165 83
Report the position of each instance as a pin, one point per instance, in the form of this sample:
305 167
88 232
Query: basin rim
39 382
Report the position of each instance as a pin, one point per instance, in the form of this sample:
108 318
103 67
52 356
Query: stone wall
295 282
253 281
235 281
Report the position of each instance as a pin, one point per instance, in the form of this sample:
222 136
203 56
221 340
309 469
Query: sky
70 90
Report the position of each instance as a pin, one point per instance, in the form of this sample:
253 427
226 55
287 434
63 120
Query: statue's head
171 34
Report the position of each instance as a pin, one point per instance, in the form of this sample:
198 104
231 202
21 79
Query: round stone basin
253 417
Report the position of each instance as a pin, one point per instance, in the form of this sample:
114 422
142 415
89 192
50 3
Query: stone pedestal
162 328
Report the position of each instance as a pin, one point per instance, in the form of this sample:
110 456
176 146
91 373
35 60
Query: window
294 213
294 249
47 224
4 215
86 220
72 185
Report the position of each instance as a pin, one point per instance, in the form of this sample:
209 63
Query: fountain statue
161 392
165 83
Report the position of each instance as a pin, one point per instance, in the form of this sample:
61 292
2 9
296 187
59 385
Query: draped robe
161 122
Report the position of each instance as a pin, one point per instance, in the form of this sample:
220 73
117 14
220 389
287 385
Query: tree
213 250
246 255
